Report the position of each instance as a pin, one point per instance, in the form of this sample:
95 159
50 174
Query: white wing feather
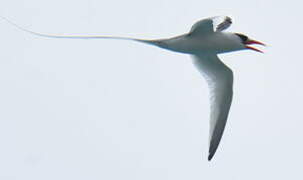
210 25
220 80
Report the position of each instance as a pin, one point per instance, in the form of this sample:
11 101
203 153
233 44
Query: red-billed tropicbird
205 40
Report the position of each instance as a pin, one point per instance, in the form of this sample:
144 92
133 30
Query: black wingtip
210 156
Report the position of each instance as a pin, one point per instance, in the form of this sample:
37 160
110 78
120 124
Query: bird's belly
199 45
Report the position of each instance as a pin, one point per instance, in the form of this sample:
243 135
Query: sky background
113 110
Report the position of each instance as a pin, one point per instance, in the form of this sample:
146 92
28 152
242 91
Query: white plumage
204 41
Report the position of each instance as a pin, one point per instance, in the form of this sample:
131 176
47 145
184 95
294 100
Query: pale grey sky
113 110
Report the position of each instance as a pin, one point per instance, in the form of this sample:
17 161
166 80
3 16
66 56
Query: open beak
250 41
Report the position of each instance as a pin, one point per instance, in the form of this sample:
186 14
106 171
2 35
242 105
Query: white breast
217 42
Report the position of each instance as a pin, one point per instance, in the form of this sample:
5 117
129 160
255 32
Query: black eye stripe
243 37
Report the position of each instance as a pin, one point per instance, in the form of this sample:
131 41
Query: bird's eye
242 37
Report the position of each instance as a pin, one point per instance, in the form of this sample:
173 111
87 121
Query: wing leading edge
220 81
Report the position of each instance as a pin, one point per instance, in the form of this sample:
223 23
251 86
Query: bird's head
247 41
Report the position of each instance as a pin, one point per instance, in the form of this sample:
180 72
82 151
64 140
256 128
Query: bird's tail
150 42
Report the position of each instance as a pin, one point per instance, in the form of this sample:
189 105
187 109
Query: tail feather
150 42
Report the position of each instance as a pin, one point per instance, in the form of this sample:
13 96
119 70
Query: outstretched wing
220 80
210 25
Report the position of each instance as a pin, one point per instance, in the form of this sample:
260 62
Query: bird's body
204 41
213 43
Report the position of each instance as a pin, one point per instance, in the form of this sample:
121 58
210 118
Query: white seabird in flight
205 40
